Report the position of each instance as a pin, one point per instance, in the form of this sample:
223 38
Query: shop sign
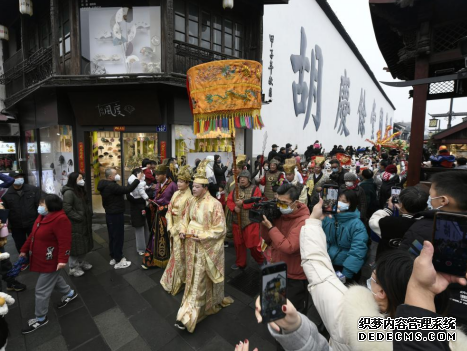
119 128
4 32
81 157
163 150
433 123
162 128
7 148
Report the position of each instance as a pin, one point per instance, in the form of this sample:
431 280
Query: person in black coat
333 151
447 193
391 228
273 152
22 200
338 173
219 170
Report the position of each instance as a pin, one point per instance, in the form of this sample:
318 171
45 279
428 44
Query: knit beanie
391 169
350 177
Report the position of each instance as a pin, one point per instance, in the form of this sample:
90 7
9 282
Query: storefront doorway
107 152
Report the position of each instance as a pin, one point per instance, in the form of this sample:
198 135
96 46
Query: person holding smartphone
283 239
447 193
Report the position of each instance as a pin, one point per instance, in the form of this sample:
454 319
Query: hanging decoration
228 4
225 95
4 33
25 7
386 140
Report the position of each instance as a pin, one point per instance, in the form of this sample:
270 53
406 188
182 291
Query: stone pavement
128 309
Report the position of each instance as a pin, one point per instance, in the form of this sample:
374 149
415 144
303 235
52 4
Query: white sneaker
76 272
122 264
86 266
112 262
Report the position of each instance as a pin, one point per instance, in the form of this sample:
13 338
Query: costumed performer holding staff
203 230
174 274
158 248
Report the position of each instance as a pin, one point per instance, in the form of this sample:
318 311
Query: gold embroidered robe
204 287
174 274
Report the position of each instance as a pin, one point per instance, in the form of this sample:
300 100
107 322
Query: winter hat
350 177
391 169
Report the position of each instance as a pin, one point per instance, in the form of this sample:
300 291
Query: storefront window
56 149
31 151
136 147
121 40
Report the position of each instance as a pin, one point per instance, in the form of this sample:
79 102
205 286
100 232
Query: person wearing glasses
283 240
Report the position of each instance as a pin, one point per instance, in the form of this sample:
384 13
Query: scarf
386 176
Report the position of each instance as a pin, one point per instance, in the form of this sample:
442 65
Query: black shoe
34 324
66 300
180 325
15 286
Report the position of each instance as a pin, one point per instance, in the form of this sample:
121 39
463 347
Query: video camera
262 208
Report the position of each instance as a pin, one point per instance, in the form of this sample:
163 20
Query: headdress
289 166
200 176
274 161
246 174
241 161
161 169
184 173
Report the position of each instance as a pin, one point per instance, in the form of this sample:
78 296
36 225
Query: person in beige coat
339 306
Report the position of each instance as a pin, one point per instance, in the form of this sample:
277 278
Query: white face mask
349 184
430 206
117 178
80 182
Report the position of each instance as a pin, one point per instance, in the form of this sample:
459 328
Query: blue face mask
335 170
343 206
42 211
19 181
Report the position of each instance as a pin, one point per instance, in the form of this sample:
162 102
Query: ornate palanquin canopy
225 95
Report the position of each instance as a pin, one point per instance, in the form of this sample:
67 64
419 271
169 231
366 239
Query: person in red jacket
246 235
283 240
48 247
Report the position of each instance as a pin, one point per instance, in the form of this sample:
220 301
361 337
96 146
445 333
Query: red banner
163 150
81 157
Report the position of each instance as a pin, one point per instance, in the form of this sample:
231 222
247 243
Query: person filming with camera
245 233
283 239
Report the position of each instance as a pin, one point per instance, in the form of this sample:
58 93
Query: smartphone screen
395 192
450 243
330 196
273 291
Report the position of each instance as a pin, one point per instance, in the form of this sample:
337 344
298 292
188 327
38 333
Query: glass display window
137 147
121 40
56 152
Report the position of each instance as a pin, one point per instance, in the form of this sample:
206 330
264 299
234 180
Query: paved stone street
128 310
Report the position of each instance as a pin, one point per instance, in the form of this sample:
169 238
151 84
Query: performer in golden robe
203 230
174 274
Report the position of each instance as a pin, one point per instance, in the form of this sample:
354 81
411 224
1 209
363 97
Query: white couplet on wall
319 89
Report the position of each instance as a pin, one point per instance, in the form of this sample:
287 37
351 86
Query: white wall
282 126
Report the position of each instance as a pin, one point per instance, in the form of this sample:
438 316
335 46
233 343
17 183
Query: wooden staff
232 138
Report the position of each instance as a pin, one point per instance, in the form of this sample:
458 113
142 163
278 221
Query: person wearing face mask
246 236
48 248
283 240
138 200
114 205
346 237
395 283
315 182
22 200
352 183
270 179
447 193
77 207
290 178
338 173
